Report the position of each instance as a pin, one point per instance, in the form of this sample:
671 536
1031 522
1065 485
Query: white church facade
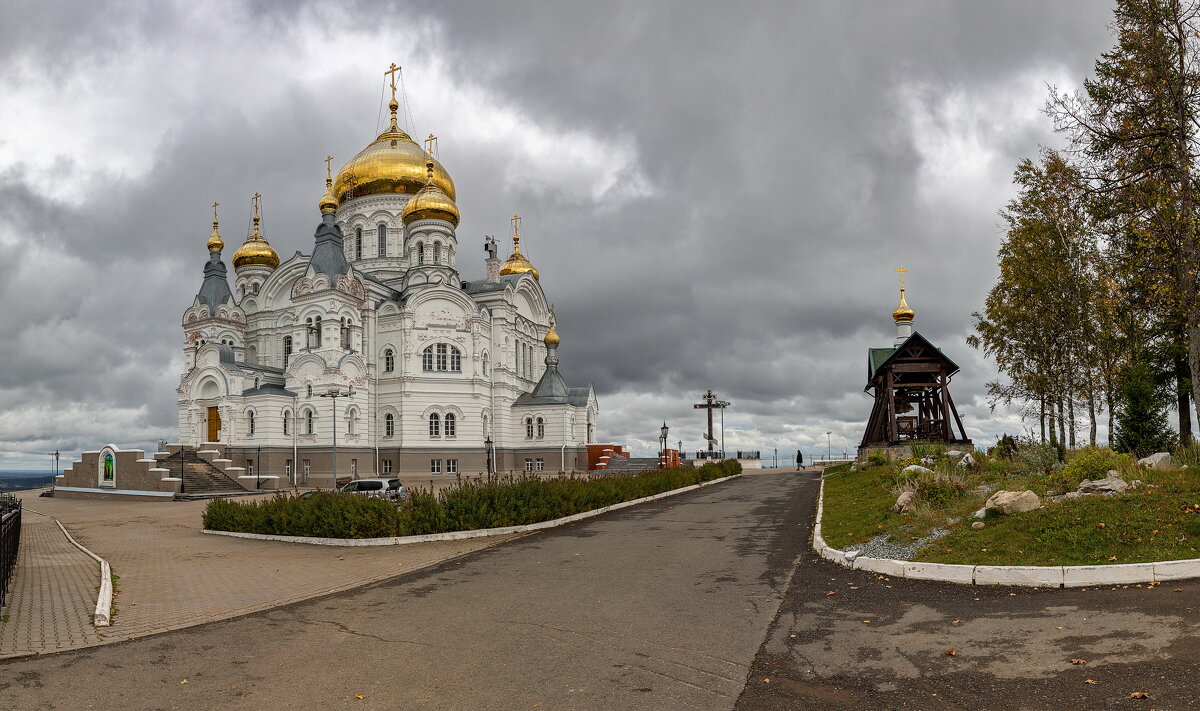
373 350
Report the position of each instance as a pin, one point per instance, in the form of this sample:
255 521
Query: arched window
450 424
287 350
287 417
389 425
309 333
434 425
485 364
427 358
250 422
517 358
441 356
382 239
309 421
309 391
455 360
345 333
420 253
486 431
389 361
541 428
320 335
358 243
256 382
528 428
350 417
437 253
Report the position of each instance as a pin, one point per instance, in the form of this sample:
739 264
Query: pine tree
1141 426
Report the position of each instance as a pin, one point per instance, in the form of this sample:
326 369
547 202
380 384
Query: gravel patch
882 546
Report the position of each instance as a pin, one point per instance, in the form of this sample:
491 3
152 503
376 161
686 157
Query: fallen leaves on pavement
1079 661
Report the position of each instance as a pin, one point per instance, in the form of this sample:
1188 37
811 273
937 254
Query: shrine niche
911 386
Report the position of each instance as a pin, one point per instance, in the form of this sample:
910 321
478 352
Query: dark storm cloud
779 162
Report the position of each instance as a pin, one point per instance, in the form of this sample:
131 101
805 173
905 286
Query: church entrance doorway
214 424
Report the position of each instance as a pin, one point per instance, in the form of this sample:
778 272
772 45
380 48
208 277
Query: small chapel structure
910 382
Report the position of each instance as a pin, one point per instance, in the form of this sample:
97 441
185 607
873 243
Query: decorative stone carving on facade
303 285
351 286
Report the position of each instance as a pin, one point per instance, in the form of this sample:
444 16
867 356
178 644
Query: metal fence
10 540
704 454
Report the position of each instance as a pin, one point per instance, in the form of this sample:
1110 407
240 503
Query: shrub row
464 506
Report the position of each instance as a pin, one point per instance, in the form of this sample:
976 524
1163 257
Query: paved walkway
171 576
53 593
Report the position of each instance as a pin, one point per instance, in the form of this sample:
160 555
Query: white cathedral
372 351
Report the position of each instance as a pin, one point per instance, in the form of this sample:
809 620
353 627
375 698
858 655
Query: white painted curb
1036 576
463 535
103 614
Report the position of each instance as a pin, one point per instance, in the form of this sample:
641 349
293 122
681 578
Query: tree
1135 131
1141 427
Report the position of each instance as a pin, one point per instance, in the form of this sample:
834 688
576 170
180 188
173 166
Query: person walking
799 460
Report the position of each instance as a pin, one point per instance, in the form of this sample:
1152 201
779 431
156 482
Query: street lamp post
827 445
487 445
662 450
335 393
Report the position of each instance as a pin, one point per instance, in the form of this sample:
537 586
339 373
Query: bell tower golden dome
215 243
517 263
903 312
255 251
393 163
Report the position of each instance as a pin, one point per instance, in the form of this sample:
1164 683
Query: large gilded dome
393 163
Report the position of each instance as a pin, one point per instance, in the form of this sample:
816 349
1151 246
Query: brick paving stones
171 576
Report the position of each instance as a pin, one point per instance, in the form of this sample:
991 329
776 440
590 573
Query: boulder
906 502
981 513
955 454
1072 495
978 525
1011 502
1109 483
966 462
1158 460
915 470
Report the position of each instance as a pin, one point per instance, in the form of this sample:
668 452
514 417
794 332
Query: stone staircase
629 465
201 480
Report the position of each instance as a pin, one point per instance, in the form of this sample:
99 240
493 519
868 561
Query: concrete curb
1035 576
463 535
103 614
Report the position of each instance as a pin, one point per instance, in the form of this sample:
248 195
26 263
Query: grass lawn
1142 525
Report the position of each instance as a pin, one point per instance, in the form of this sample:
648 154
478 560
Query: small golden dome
903 312
551 338
255 251
430 203
517 263
328 202
393 163
215 243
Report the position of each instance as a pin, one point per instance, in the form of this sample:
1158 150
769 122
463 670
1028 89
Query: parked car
380 488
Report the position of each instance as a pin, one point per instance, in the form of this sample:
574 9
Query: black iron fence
10 540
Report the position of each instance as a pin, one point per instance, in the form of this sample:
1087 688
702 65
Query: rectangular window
354 468
451 466
249 468
387 466
541 464
435 466
528 465
441 357
287 350
382 241
307 469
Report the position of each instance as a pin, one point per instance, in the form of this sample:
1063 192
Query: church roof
483 286
215 289
329 257
268 389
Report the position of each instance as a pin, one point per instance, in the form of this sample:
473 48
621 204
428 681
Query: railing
705 454
10 540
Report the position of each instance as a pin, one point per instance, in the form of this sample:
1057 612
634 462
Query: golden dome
517 263
255 251
393 163
903 312
215 243
430 203
551 338
328 202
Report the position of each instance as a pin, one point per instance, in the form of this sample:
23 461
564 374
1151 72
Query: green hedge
465 506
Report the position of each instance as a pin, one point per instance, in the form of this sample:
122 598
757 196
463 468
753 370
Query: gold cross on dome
256 199
902 270
328 167
516 223
391 73
215 211
430 142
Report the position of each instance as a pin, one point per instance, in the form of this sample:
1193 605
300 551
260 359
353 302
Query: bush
1006 447
1093 463
464 506
920 450
1037 458
876 460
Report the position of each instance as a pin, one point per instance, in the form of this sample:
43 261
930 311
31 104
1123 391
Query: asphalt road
687 603
662 606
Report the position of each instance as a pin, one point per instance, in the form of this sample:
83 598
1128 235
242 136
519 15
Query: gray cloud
770 168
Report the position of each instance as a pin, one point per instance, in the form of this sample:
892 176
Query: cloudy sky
716 197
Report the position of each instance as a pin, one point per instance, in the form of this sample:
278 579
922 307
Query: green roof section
877 357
